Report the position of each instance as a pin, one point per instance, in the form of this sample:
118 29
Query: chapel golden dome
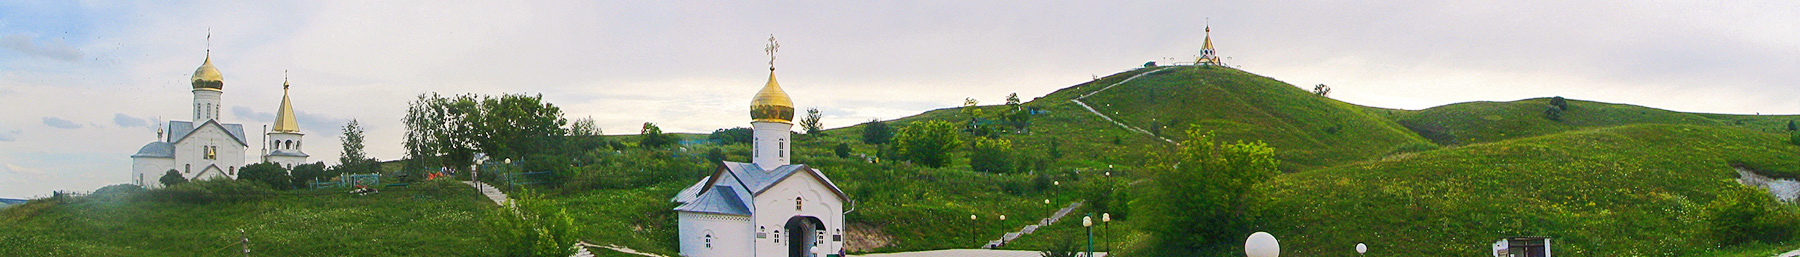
771 104
207 77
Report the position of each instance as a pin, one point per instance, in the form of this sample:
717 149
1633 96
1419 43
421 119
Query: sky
84 84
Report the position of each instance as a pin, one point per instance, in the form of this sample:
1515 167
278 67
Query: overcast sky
83 84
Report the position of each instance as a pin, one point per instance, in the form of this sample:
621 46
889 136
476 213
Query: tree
1016 114
1743 214
991 155
1553 114
842 150
267 173
1560 103
1194 193
715 155
516 125
811 122
584 127
440 130
1791 126
653 138
738 135
928 143
305 174
1321 90
354 158
876 132
172 178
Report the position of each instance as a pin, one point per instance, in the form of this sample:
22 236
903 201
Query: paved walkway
1790 254
967 253
1028 229
1084 105
585 245
489 191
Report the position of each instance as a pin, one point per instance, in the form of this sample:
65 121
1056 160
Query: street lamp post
972 229
1088 223
1047 210
1003 229
1105 232
1361 248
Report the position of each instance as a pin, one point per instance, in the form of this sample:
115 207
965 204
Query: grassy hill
1477 122
427 220
1619 191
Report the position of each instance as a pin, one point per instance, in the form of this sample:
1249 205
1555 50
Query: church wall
776 205
192 152
732 235
148 171
279 141
206 105
771 139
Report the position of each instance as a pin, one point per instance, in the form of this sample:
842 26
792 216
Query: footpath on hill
1028 229
1077 101
499 198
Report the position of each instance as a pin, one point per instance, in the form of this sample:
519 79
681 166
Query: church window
188 169
231 170
797 203
290 145
781 148
709 241
777 236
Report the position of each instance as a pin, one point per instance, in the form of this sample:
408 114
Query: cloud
245 113
126 121
54 49
16 169
60 123
8 136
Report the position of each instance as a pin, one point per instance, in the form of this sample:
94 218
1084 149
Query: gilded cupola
207 77
771 104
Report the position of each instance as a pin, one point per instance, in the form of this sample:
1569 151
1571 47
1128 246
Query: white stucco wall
147 171
776 205
772 144
191 152
732 235
207 104
286 161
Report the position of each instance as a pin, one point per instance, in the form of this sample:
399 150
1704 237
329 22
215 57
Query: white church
768 207
207 147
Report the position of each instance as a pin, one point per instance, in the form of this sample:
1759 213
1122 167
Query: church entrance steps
1090 109
1028 229
584 245
492 193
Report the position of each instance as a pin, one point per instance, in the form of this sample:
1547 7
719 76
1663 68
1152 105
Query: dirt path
1090 109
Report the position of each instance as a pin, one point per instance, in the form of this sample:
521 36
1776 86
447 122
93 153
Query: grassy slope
1630 190
1313 131
394 223
1477 122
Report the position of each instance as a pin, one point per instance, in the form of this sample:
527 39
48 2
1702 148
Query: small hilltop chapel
1207 56
207 146
768 207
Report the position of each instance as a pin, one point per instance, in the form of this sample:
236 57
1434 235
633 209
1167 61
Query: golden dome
771 104
207 77
284 115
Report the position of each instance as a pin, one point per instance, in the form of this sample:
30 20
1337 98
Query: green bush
215 190
992 155
738 135
1194 194
172 178
928 143
529 225
267 173
1553 114
1560 103
1744 215
876 132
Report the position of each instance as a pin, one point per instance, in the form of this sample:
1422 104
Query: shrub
529 225
715 155
991 155
738 135
1194 193
305 174
1743 215
172 178
1553 114
928 143
205 191
652 137
842 150
876 132
1560 103
269 174
1792 127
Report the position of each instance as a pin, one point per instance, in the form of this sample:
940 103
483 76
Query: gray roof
742 182
722 200
180 129
157 149
294 153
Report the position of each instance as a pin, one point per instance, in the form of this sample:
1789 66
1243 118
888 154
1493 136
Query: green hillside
432 219
1477 122
1622 191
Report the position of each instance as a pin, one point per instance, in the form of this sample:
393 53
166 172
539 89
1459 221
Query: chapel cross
771 48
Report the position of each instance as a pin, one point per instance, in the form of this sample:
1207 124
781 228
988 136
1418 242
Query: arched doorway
803 233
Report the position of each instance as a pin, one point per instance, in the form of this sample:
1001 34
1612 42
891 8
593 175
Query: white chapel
768 207
207 147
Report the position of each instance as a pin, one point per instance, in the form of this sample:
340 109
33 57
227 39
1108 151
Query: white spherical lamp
1362 248
1262 244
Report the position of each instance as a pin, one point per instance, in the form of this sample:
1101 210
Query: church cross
771 48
